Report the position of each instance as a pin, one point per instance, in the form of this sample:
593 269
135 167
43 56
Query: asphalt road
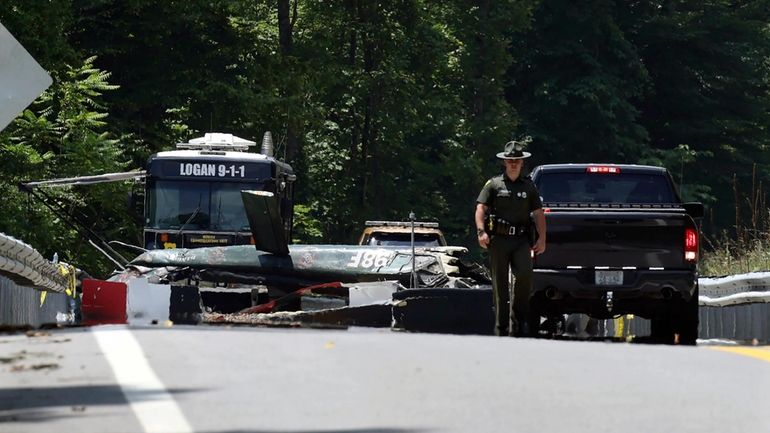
238 379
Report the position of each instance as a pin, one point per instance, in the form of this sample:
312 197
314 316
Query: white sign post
22 79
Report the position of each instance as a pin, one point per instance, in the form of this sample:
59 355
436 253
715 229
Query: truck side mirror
694 209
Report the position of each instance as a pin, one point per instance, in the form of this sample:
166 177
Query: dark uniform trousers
513 251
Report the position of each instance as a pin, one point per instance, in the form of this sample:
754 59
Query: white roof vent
217 141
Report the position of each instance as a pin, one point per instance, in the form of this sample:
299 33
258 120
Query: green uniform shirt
512 200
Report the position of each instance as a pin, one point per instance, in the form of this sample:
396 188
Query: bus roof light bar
217 141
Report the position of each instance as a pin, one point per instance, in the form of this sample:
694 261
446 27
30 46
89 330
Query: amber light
690 244
164 237
251 240
603 169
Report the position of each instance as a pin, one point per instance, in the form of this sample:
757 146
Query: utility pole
414 271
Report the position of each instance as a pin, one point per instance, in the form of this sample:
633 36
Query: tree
577 84
62 135
42 28
707 61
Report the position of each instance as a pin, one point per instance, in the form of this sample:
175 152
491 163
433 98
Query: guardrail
733 307
739 289
25 266
20 306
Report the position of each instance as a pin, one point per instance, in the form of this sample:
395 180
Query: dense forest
391 106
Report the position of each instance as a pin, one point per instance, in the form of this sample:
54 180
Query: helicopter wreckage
274 283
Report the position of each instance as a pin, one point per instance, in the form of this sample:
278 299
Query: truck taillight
690 245
603 169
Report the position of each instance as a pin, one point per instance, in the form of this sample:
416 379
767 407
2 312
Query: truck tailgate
615 238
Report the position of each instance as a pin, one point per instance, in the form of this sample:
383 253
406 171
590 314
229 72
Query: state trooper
503 211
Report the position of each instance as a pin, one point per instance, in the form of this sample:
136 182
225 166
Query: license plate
609 278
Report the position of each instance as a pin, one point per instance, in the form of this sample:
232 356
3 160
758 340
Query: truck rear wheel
661 330
688 320
682 321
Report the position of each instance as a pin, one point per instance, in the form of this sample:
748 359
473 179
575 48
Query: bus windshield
197 205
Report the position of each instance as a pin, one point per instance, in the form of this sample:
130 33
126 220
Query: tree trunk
285 42
284 27
370 107
479 76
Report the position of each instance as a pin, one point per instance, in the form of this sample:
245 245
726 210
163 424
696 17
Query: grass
729 257
747 248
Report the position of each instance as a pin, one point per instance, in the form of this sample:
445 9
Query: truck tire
688 320
661 330
682 321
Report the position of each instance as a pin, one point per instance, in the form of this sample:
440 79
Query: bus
192 195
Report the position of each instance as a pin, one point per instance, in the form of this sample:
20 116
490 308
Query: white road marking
151 402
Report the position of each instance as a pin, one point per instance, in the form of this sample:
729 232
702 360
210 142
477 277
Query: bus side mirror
694 209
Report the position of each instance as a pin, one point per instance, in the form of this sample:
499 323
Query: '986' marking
368 259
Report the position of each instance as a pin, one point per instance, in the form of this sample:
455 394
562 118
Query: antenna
414 272
267 144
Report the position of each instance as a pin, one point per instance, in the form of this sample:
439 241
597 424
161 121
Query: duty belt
499 226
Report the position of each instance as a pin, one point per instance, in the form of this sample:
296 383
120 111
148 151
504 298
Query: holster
497 226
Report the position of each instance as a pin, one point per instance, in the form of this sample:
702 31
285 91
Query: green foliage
729 257
397 108
307 229
62 137
707 63
682 162
576 83
42 27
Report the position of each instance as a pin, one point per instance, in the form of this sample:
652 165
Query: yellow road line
762 353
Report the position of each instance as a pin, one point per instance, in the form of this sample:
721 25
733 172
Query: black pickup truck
620 241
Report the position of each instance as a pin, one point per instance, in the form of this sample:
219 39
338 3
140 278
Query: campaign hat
513 150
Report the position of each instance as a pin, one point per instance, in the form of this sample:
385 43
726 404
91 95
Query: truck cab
399 233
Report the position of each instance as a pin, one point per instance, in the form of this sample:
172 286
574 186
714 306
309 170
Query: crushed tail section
267 226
